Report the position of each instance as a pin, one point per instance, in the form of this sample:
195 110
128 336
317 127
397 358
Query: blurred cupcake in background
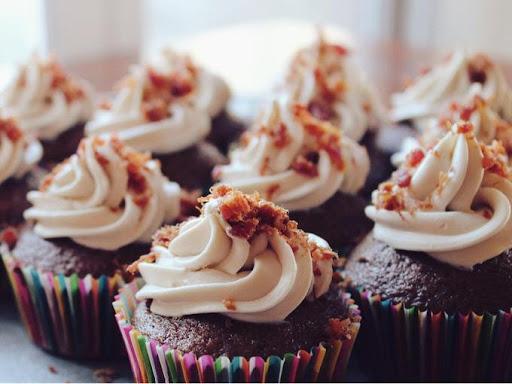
94 213
49 104
170 108
325 78
19 156
306 165
487 127
237 294
456 79
434 277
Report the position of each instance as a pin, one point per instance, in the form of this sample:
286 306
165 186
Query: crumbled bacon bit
155 110
389 198
415 157
249 215
48 179
339 329
281 138
133 268
402 177
487 213
11 129
9 236
164 235
105 104
265 165
101 159
304 166
321 110
229 304
464 127
319 253
466 112
60 80
271 191
495 159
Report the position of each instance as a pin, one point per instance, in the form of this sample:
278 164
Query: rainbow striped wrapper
153 362
402 343
66 315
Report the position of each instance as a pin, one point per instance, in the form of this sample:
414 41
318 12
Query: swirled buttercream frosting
487 126
105 196
242 257
453 80
453 201
163 107
18 151
295 159
325 78
45 100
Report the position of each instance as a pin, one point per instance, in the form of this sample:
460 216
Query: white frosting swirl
488 126
455 79
44 100
18 152
106 196
454 209
269 168
187 118
324 76
205 269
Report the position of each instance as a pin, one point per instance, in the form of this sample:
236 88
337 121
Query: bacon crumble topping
10 128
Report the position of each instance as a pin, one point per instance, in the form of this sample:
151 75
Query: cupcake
239 293
307 166
488 126
48 104
435 275
171 108
325 78
94 213
455 79
19 155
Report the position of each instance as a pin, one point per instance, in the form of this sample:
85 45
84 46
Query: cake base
225 131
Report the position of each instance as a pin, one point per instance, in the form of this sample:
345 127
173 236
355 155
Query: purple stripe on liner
207 368
190 367
156 361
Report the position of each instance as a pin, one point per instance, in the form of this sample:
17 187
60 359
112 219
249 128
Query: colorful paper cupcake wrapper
66 315
402 343
154 362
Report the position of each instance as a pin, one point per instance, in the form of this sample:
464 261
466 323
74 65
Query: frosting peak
459 76
105 196
242 257
163 107
295 159
18 152
45 100
324 77
453 202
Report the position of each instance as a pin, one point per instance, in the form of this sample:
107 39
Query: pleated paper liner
401 343
154 362
67 315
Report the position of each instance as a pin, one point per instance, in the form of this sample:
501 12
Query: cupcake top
105 196
242 257
18 151
45 100
487 126
455 79
163 107
295 159
324 77
453 201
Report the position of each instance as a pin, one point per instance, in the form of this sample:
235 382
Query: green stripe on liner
222 370
485 344
287 366
141 340
173 374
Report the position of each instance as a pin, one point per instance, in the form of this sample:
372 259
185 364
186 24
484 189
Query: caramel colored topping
390 197
229 304
10 128
495 159
9 236
164 235
304 166
133 268
63 82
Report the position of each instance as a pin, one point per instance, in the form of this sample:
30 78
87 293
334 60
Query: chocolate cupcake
307 166
435 275
460 76
167 108
50 105
93 213
240 283
325 78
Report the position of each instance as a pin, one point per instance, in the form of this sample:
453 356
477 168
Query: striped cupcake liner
154 362
66 315
402 343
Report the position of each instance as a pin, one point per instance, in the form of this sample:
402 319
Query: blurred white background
94 30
